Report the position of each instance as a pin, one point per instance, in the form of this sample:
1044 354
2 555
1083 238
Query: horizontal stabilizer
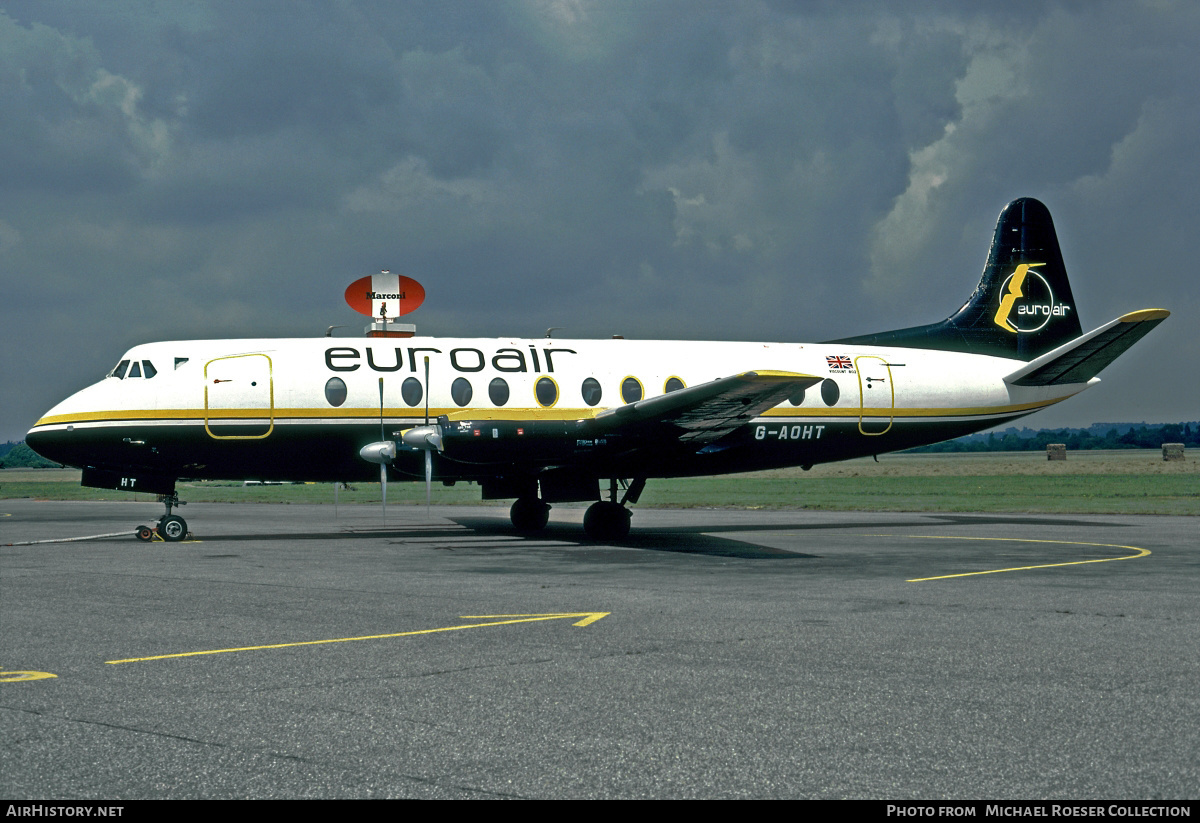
711 410
1083 358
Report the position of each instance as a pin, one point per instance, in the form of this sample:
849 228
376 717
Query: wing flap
711 410
1083 358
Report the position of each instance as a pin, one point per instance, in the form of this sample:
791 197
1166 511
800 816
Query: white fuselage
214 407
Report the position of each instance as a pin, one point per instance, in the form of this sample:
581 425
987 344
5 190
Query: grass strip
1176 494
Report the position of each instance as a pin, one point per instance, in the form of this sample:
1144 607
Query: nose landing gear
171 527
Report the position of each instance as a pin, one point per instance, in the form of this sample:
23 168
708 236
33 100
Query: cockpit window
134 368
179 361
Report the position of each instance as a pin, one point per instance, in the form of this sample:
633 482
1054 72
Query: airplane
549 420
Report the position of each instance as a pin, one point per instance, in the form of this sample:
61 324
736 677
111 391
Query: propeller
383 452
382 438
427 438
428 453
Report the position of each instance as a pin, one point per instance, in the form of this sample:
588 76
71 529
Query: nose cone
57 437
52 444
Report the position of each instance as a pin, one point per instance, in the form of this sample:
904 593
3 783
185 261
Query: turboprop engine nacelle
383 452
427 438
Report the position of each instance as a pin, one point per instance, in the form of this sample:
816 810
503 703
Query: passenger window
148 369
411 391
135 370
830 392
546 391
335 391
460 391
797 398
672 384
631 390
591 391
498 391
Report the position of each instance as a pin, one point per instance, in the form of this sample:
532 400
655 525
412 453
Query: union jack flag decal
838 362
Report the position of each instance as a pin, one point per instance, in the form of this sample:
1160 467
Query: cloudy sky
732 170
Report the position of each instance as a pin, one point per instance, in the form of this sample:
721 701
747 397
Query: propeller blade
382 453
426 389
428 478
383 486
382 466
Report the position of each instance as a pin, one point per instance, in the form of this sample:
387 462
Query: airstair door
239 397
877 394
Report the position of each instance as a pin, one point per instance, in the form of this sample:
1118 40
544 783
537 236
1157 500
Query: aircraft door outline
876 395
239 390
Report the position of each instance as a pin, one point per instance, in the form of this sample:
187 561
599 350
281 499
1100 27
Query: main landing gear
604 519
171 527
529 515
608 519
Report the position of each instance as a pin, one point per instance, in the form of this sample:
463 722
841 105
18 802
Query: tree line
1134 437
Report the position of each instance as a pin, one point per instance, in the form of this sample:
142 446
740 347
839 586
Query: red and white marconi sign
385 295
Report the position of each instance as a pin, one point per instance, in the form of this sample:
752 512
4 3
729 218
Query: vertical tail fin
1022 307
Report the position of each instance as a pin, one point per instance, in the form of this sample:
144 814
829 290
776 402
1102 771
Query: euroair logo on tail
1027 302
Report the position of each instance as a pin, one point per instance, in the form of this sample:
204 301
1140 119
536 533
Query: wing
1082 359
710 411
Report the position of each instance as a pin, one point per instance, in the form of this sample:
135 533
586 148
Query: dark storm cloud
738 170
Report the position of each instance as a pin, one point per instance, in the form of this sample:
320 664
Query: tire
606 520
529 515
172 528
144 533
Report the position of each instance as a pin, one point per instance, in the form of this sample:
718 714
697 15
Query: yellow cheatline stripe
360 415
517 414
482 414
1140 553
14 677
587 619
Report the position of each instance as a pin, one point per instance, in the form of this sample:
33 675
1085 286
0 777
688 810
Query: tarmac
296 652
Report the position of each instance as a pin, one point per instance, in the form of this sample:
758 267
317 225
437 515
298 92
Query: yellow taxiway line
585 619
15 677
1140 552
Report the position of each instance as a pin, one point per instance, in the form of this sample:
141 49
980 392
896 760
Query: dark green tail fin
1022 307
